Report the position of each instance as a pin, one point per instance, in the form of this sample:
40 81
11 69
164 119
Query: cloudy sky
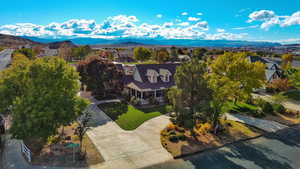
255 20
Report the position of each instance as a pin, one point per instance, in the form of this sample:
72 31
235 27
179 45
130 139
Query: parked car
2 125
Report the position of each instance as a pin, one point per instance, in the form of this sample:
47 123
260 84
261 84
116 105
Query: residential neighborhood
154 93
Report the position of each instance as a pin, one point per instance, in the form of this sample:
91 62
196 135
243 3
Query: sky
253 20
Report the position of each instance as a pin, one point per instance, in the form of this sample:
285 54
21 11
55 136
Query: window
165 78
152 75
165 75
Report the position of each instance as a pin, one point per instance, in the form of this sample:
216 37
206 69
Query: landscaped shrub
204 128
258 113
134 101
171 126
53 139
267 108
279 108
174 138
181 137
280 85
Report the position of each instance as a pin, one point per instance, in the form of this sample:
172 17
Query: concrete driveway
128 149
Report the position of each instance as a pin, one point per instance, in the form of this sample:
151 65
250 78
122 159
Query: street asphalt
280 150
5 58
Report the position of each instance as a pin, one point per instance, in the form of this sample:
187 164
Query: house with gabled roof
150 81
273 70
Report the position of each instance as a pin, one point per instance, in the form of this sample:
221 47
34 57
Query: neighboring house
273 70
48 52
149 81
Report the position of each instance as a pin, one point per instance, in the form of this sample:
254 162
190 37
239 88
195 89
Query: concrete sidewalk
266 125
289 104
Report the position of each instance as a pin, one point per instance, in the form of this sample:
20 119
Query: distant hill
14 41
56 45
123 42
165 42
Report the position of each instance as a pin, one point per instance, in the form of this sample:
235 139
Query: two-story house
273 70
150 81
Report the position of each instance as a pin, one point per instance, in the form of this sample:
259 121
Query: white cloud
292 20
199 14
246 27
184 13
227 36
262 15
184 24
168 24
193 19
201 25
119 26
269 19
220 30
159 15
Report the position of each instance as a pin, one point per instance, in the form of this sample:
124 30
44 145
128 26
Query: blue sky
269 20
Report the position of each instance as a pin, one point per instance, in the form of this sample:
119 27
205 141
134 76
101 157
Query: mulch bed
187 144
62 155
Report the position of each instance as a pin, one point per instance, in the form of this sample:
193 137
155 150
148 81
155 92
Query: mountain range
8 40
161 42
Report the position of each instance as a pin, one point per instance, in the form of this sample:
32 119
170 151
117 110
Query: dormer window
152 75
165 75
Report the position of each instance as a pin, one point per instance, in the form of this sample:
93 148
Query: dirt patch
186 144
62 150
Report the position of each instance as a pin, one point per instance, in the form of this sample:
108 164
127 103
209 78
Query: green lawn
239 107
128 117
294 95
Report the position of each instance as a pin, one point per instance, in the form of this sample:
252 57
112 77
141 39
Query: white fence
25 150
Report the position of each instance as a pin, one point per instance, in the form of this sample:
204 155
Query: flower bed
179 141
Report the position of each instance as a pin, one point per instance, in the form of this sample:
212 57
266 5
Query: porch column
135 93
141 94
154 93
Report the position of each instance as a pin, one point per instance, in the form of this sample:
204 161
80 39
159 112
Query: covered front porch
147 96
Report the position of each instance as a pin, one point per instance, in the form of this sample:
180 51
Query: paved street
273 151
5 58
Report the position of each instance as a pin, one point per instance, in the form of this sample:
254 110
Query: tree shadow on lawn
114 110
162 109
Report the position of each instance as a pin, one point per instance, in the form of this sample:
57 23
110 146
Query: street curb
234 142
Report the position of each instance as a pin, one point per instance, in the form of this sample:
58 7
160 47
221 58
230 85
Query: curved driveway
128 149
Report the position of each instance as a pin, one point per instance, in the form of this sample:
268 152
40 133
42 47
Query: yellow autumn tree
287 60
233 77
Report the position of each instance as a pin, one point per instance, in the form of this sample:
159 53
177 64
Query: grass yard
244 108
128 117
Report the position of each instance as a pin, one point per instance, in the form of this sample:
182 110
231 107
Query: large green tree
233 77
162 55
192 95
295 77
287 60
142 54
41 96
29 53
100 77
81 52
199 53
